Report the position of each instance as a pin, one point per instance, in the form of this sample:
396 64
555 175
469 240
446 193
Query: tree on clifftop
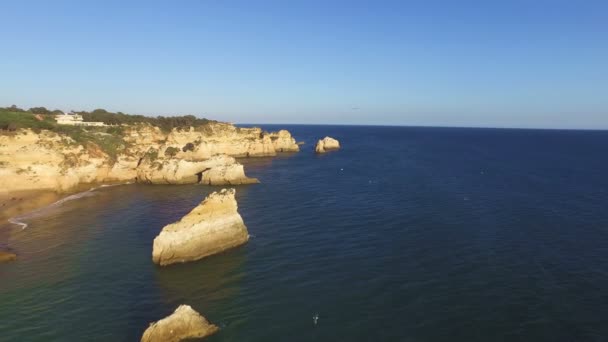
40 110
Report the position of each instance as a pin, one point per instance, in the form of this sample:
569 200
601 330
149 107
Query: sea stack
7 256
184 323
327 144
283 141
212 227
217 170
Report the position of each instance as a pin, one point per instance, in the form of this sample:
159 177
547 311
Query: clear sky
510 63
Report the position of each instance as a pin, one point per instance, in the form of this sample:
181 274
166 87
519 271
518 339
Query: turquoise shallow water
406 234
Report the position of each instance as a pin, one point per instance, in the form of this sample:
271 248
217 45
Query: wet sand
18 203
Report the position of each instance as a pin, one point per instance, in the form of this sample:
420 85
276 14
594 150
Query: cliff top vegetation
37 118
109 139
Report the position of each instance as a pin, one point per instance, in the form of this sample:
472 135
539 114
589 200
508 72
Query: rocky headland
327 144
184 323
212 227
49 160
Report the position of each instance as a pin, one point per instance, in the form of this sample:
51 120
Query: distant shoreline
243 124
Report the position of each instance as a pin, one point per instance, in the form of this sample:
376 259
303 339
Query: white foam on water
19 223
18 220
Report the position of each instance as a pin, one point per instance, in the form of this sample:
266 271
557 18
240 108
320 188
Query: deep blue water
406 234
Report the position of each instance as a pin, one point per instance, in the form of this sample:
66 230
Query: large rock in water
217 170
7 256
283 141
213 226
184 323
327 144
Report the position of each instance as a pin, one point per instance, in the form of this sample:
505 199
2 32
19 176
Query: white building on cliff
74 120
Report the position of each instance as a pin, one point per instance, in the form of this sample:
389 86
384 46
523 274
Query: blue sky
532 63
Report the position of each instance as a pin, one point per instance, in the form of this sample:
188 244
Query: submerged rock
212 227
184 323
327 144
217 170
7 256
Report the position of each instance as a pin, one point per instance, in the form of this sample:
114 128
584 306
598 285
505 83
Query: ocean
405 234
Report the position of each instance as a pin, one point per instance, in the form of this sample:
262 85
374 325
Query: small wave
18 220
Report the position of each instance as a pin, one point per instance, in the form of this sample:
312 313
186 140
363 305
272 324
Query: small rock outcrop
183 323
212 227
327 144
7 256
282 141
217 170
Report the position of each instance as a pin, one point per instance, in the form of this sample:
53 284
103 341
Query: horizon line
424 126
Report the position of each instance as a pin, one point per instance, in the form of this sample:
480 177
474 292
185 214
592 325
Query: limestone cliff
217 170
212 227
47 160
327 144
52 161
184 323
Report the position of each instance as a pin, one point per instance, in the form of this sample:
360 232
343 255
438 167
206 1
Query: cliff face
212 227
47 160
217 170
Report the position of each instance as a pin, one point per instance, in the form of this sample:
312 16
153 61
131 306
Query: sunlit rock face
217 170
46 160
212 227
184 323
327 144
282 141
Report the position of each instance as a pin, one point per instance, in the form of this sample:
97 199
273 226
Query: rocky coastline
36 162
47 160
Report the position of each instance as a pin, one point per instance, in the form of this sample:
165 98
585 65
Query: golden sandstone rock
184 323
51 161
327 144
212 227
217 170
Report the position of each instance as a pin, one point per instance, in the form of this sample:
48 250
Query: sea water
405 234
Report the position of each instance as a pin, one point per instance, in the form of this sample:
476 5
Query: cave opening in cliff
200 176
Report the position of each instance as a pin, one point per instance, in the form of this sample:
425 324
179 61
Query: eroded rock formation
212 227
51 161
183 323
327 144
284 142
217 170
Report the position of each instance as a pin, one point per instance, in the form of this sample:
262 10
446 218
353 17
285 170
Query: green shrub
11 121
166 124
188 147
171 151
151 155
